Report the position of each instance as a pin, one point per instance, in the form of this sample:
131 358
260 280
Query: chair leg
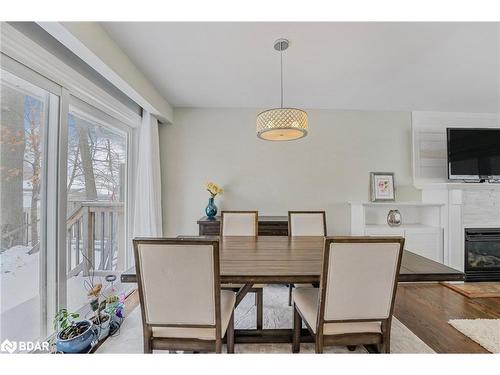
230 335
148 347
259 296
319 343
290 288
297 327
218 346
385 347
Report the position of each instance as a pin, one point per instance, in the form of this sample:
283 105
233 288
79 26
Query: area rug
476 290
277 314
486 332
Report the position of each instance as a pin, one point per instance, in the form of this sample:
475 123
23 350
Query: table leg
259 295
264 335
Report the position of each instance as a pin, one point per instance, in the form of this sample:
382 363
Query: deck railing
95 238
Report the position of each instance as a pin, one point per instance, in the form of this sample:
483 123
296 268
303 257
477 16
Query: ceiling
366 66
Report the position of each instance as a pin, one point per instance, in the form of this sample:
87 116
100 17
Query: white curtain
147 207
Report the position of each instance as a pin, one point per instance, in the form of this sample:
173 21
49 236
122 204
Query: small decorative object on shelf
394 218
214 190
382 186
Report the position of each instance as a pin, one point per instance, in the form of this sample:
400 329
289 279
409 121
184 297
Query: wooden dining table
290 260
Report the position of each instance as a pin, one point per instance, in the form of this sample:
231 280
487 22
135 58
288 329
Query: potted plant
72 336
114 307
102 321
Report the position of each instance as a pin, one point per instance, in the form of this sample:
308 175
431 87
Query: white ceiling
368 66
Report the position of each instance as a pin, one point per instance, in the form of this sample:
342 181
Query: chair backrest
239 223
306 223
359 278
178 281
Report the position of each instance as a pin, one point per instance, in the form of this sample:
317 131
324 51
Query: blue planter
79 344
211 209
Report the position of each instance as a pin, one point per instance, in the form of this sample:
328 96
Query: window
64 189
28 114
96 199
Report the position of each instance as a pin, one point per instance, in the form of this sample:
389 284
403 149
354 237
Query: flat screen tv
473 154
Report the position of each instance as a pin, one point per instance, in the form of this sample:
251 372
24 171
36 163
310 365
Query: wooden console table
268 226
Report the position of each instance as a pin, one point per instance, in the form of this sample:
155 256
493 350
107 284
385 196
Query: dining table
293 260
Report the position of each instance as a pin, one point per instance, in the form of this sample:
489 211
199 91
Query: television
473 154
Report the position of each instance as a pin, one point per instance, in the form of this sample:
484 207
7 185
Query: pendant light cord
281 66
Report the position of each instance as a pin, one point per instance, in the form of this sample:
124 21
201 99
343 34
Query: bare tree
84 142
33 115
102 165
12 146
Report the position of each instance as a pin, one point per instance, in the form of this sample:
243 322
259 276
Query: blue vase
211 209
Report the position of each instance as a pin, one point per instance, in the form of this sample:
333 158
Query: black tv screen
473 154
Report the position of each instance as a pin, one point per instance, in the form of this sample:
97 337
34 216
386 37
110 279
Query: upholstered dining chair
182 304
243 223
355 300
305 223
239 223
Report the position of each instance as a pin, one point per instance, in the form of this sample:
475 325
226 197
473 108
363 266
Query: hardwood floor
426 308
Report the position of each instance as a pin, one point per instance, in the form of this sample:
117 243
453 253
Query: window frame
96 115
29 61
49 211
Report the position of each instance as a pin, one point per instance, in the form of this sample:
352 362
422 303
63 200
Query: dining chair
355 300
305 223
244 223
182 304
239 223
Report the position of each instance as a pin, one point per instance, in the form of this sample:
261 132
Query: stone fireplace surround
466 205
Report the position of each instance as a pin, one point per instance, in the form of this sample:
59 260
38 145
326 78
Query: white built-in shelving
422 224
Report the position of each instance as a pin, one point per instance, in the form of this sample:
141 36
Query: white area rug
277 314
486 332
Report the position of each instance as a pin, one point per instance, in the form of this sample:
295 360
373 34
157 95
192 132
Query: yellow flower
213 189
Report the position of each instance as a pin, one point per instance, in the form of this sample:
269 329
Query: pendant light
282 124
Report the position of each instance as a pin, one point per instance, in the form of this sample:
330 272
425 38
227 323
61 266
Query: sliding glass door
64 171
29 113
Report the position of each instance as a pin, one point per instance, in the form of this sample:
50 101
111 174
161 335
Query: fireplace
482 254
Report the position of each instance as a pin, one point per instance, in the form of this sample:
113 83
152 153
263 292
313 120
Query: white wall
324 170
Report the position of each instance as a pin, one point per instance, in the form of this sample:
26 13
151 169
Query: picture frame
382 187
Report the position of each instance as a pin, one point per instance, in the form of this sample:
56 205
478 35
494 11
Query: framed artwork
382 186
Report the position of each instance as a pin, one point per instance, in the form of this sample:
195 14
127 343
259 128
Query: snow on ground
19 277
20 294
19 300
